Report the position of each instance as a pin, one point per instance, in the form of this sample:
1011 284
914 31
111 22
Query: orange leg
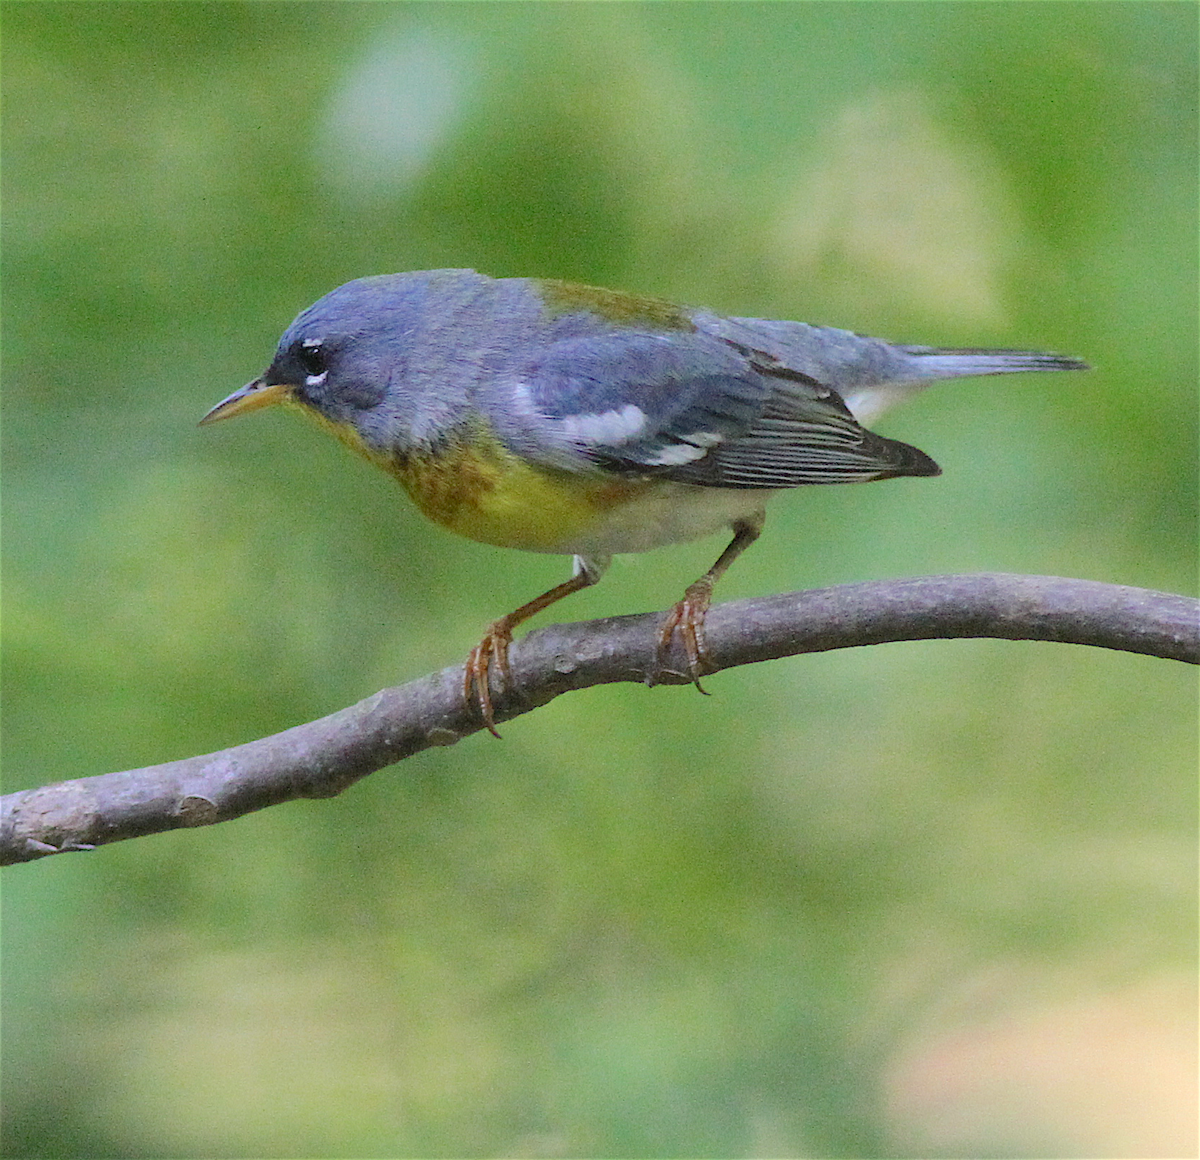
688 615
493 649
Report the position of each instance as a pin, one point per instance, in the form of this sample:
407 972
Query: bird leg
492 651
688 615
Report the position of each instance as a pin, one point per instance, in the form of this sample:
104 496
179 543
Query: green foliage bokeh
646 922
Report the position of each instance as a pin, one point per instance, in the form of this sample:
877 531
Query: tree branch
322 758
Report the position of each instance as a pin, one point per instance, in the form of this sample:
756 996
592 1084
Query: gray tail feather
930 363
941 363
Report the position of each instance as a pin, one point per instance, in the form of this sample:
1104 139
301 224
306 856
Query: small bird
557 417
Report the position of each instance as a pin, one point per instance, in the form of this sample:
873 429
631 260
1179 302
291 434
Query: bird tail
933 362
928 364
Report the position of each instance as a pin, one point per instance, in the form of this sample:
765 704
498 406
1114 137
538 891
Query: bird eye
312 358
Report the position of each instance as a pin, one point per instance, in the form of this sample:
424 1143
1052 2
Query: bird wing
691 408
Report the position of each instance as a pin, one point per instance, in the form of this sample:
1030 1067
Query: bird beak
250 398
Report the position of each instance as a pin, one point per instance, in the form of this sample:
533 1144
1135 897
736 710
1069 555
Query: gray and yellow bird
555 417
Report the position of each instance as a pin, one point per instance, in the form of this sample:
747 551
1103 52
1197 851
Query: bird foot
687 618
490 653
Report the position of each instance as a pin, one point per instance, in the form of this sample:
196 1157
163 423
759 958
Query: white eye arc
312 357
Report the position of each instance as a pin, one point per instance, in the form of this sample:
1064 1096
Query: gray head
340 355
360 354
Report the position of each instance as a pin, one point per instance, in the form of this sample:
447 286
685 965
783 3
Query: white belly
670 513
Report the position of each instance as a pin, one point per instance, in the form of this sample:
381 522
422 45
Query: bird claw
687 618
490 652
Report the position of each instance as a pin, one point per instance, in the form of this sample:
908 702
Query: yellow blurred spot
891 203
1109 1074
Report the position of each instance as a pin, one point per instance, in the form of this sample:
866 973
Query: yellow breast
476 487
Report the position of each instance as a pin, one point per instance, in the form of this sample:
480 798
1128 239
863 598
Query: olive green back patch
627 309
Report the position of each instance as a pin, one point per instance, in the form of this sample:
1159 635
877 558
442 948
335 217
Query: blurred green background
921 899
